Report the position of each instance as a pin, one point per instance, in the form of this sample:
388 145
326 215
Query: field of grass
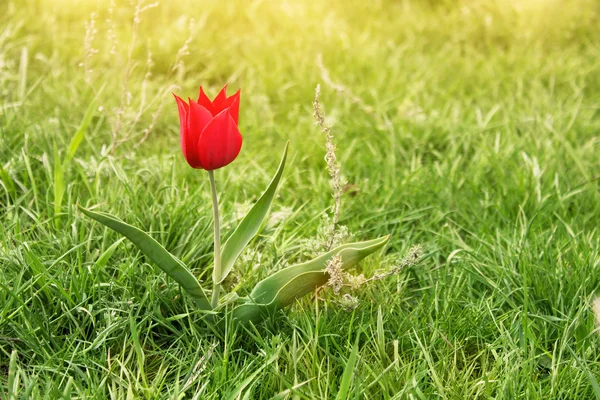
469 128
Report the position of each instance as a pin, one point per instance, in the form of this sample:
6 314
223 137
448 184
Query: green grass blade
83 126
582 365
13 376
250 225
104 257
282 288
155 252
61 167
348 372
250 381
7 182
59 183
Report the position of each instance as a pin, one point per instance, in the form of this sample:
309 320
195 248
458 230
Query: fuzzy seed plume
336 274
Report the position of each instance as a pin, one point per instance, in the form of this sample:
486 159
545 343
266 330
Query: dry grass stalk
88 46
112 36
178 66
199 367
333 166
337 276
340 279
411 258
127 74
125 129
183 51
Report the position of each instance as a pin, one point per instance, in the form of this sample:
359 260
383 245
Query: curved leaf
264 291
250 225
285 286
171 265
296 288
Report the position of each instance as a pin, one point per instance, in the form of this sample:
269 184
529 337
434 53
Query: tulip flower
210 139
209 134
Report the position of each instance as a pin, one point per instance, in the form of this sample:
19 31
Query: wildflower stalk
412 257
333 167
217 247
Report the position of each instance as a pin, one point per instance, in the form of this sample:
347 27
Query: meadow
468 128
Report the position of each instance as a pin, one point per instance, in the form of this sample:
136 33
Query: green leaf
285 286
171 265
264 292
250 225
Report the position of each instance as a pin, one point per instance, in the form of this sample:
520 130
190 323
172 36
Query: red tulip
210 138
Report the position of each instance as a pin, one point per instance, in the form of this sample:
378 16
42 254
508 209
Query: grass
470 128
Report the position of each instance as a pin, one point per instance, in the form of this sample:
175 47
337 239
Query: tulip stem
217 248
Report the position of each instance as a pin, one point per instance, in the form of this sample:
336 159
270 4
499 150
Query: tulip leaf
171 265
250 225
283 287
350 253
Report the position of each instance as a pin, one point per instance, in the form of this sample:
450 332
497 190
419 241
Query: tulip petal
198 119
232 102
220 98
186 149
234 106
205 102
220 142
183 109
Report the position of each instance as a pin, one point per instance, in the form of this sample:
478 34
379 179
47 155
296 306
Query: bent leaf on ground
171 265
282 288
250 225
351 253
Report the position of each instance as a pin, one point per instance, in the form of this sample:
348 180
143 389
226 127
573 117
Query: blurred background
408 67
